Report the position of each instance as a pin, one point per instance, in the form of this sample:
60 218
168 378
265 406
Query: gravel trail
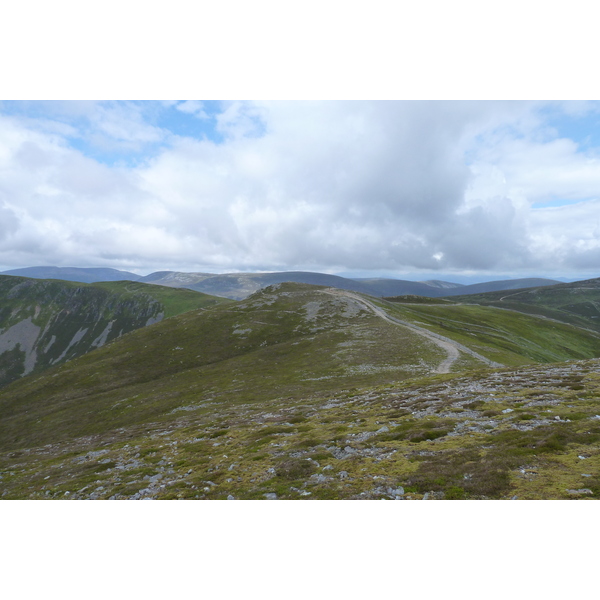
452 348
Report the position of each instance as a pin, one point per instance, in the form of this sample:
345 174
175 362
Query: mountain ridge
44 322
238 286
80 274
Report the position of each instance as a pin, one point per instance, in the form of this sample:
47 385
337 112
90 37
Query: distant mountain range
495 286
91 275
238 286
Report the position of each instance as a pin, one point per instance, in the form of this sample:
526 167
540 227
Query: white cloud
240 119
192 107
351 185
123 127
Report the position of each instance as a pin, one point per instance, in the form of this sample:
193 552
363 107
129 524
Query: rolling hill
46 322
494 286
577 303
83 275
312 392
238 286
397 287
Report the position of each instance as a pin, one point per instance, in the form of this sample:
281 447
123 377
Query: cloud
9 223
192 107
241 119
112 126
454 186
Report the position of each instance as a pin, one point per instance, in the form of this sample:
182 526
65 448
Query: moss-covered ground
531 433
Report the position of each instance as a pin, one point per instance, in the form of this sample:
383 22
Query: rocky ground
529 433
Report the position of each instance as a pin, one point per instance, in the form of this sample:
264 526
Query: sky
408 189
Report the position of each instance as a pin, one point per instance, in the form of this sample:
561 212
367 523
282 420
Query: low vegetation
576 303
296 393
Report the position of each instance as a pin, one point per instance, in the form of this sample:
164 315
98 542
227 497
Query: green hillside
505 336
47 322
173 300
577 303
305 392
290 342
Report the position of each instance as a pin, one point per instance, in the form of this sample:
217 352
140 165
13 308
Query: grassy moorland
506 336
577 303
297 393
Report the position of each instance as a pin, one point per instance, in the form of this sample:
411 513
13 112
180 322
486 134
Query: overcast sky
392 188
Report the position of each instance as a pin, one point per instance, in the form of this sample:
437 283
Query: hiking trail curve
452 348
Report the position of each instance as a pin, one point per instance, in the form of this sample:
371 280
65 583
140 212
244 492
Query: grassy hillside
505 336
301 393
493 286
290 342
46 322
577 303
174 300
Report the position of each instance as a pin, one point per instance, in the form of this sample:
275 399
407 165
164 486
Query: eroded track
452 348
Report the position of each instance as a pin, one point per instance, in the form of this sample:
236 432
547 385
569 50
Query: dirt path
452 348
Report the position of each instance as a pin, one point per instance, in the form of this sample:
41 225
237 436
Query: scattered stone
585 475
342 454
579 492
361 437
507 410
271 496
426 496
230 497
318 478
343 474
